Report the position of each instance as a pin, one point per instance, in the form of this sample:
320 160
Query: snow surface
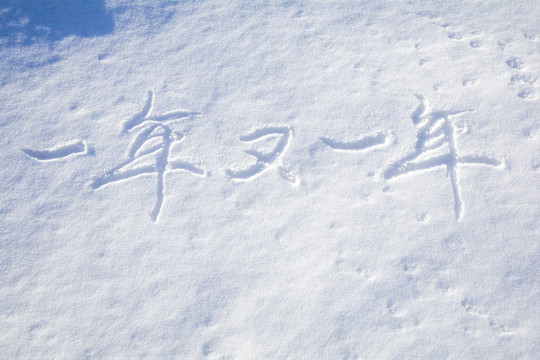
269 180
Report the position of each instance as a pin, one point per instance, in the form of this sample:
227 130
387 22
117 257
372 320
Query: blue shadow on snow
24 22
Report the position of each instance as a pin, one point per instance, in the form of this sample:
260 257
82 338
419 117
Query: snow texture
269 180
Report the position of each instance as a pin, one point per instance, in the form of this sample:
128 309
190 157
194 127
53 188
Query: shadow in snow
24 22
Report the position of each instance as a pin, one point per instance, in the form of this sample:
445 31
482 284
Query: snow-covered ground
269 180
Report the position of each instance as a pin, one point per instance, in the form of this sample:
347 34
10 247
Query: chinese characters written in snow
150 151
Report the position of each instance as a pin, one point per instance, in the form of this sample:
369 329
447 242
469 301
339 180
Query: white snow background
393 211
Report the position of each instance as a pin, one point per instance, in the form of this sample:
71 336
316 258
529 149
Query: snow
252 180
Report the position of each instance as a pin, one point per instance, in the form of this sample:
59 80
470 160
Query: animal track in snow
469 306
76 147
529 35
422 218
527 93
515 63
455 35
468 81
475 44
530 132
523 78
424 61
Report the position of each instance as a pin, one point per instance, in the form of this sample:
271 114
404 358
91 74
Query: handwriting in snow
267 160
436 146
150 150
